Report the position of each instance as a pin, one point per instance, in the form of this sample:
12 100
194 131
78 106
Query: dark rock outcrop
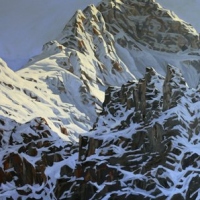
139 146
30 151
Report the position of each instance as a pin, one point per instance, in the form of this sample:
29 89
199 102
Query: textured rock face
29 153
139 146
173 90
147 23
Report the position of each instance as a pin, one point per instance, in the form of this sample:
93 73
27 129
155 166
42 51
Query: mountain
187 11
104 111
23 32
22 25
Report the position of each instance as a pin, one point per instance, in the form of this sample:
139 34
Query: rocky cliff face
143 142
149 24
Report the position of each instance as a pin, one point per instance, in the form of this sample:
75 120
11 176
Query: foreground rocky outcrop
31 157
144 144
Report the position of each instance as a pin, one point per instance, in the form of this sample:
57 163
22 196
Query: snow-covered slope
22 100
57 97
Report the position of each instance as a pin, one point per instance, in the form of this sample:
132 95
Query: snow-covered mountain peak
22 24
126 32
146 21
114 69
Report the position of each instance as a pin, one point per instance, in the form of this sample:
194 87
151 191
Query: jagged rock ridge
149 24
145 142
